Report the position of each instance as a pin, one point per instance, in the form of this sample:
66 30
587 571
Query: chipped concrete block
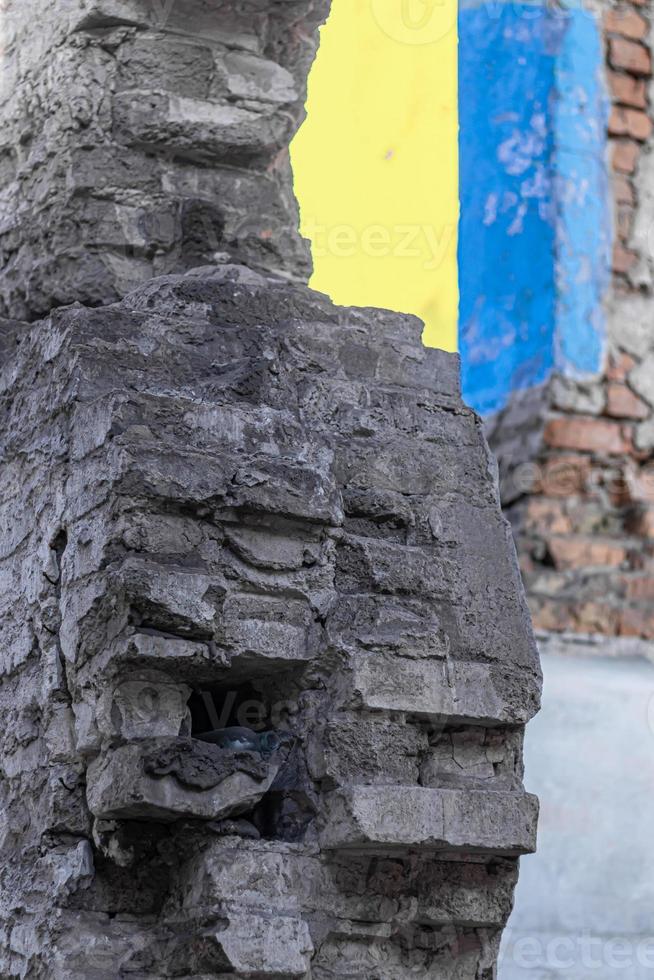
258 876
143 707
249 77
164 780
204 131
390 817
462 691
370 750
419 686
217 544
265 945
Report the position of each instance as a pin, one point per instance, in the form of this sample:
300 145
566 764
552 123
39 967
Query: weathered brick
630 122
640 589
624 259
526 563
636 622
545 516
625 156
567 616
641 523
640 485
630 56
158 87
622 403
591 516
614 482
626 22
223 466
627 90
564 476
587 435
547 614
623 190
625 222
572 552
595 617
619 366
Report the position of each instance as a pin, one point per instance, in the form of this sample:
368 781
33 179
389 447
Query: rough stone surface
227 502
151 779
143 137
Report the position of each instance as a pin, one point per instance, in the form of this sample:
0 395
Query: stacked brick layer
577 458
580 495
629 68
260 500
141 137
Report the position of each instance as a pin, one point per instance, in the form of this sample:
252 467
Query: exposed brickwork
583 511
587 435
625 156
629 56
630 122
629 62
626 23
581 495
622 403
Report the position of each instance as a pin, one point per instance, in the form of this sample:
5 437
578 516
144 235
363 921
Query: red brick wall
586 530
629 64
583 506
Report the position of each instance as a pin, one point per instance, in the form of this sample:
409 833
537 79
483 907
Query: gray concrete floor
585 903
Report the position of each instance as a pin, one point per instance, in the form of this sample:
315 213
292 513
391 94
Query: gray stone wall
225 501
143 137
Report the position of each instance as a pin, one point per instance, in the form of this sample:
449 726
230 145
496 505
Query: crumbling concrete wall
224 490
226 502
142 137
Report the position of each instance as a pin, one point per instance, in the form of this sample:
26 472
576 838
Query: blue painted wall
583 257
534 229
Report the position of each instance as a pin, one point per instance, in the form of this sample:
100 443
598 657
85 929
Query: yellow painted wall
376 162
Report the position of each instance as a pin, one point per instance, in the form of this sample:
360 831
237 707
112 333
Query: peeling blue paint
582 195
534 230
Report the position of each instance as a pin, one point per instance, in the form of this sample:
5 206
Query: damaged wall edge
223 489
